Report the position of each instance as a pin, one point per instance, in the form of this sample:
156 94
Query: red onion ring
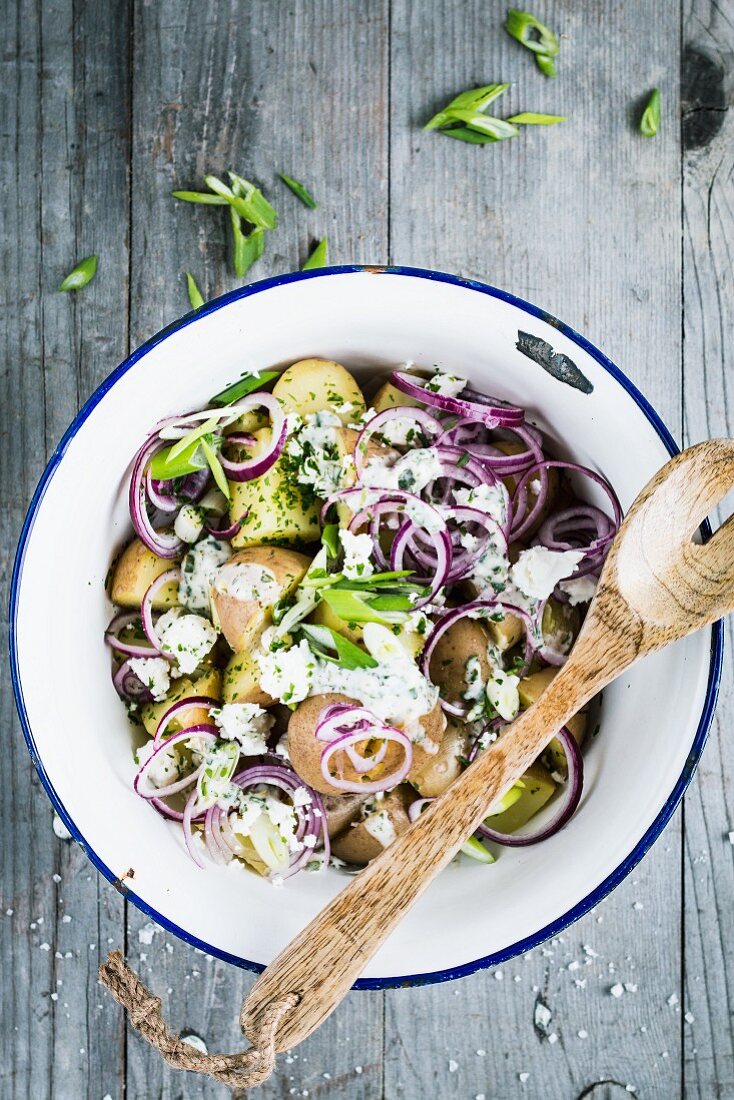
203 729
129 686
189 703
162 544
523 520
132 649
338 730
569 802
399 412
488 410
146 609
250 468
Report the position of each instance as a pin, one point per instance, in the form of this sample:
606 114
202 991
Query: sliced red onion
132 649
488 410
157 495
146 609
165 545
141 784
524 520
129 686
189 703
465 435
224 534
569 801
427 423
251 468
340 734
533 637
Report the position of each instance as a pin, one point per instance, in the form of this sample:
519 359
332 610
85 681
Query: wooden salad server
657 586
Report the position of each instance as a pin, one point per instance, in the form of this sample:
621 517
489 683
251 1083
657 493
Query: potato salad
333 603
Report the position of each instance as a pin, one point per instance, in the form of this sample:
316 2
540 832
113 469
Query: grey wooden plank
260 88
64 186
584 220
708 132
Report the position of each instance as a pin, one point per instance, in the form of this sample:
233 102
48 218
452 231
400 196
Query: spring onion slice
530 118
650 121
317 257
531 33
474 99
79 276
195 296
299 190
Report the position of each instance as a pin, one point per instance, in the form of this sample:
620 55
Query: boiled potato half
317 385
136 569
273 507
241 682
209 684
530 689
385 820
248 585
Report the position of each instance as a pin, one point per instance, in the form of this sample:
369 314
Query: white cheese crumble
315 445
399 430
198 570
288 674
188 638
248 581
380 827
411 473
502 692
189 523
165 770
60 829
357 551
580 590
491 499
538 570
154 672
449 385
246 723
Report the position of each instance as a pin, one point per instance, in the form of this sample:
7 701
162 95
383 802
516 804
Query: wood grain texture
585 221
259 88
64 186
708 323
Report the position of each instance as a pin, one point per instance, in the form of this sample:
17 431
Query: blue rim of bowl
717 633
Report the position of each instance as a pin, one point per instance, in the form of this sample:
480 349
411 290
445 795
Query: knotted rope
242 1071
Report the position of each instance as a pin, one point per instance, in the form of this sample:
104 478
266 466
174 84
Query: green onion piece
196 433
496 128
252 204
248 384
476 850
349 655
216 468
650 120
463 460
246 248
391 603
82 274
463 133
475 99
317 257
529 118
546 64
200 197
351 608
330 539
531 33
300 191
376 580
188 462
195 295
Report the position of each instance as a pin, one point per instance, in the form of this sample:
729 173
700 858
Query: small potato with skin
136 569
305 749
241 681
273 507
434 728
209 684
466 638
438 772
266 574
357 844
341 811
317 385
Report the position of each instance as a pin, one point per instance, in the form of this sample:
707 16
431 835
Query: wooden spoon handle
322 962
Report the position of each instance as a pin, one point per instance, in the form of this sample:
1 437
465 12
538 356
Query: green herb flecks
82 274
317 257
300 191
535 36
650 121
248 384
195 296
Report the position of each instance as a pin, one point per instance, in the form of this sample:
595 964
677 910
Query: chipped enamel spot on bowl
653 722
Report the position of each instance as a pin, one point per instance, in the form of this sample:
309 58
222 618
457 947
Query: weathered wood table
105 108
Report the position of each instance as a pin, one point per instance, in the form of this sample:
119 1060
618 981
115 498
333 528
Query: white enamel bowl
654 720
